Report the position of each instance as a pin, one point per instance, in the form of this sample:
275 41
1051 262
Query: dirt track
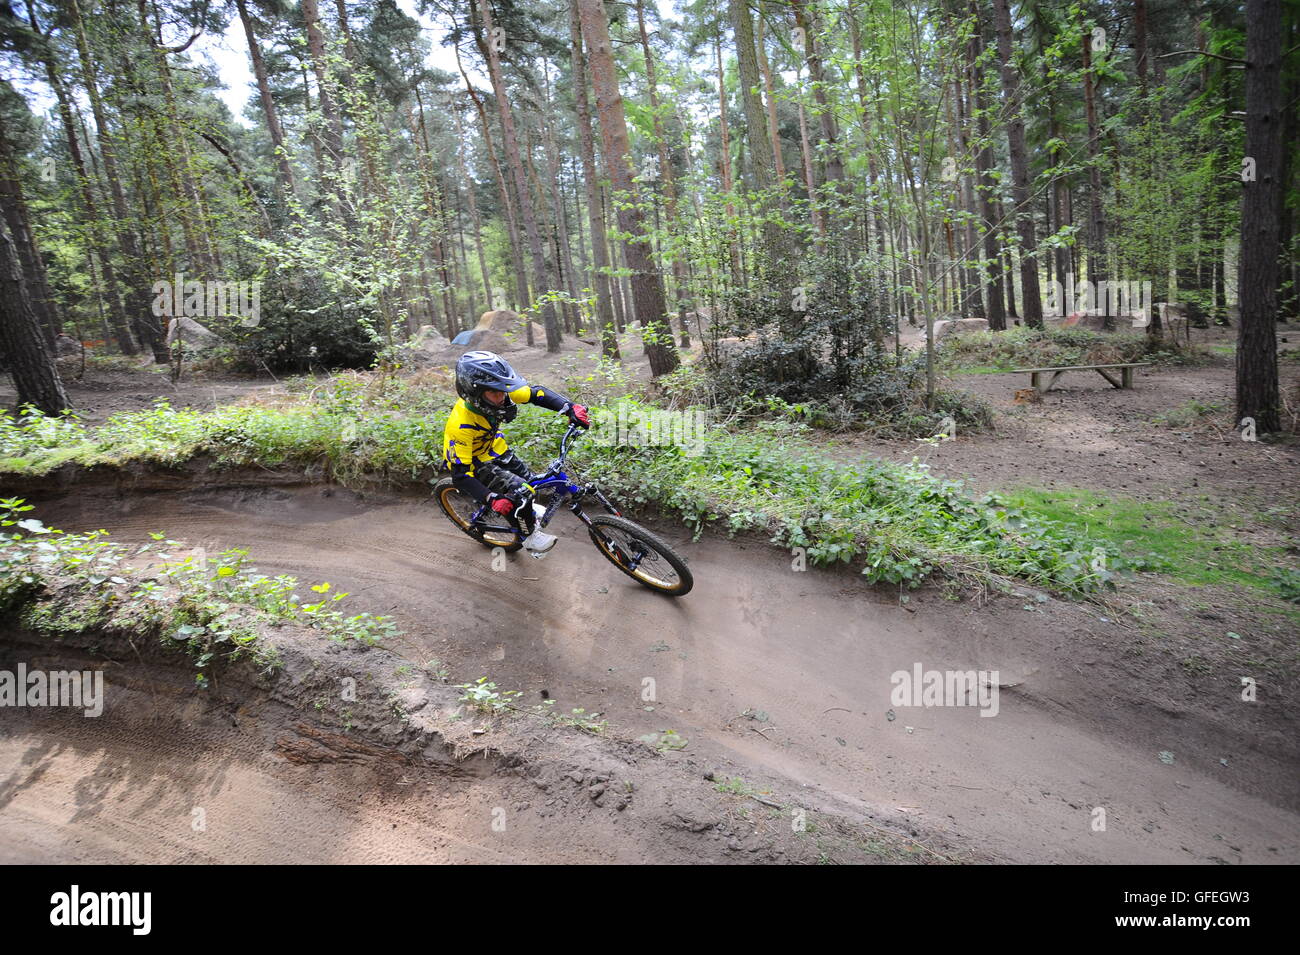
812 651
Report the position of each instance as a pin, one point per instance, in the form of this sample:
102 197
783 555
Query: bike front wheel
641 555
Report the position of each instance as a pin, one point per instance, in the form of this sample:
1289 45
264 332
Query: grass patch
1191 546
1188 413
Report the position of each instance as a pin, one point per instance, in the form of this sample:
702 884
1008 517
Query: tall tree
1261 212
605 318
647 283
25 350
490 43
285 185
1033 304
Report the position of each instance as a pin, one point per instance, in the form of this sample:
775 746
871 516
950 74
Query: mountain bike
631 548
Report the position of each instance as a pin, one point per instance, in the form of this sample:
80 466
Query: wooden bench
1125 372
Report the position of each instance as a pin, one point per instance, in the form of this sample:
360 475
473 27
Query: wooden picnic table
1125 372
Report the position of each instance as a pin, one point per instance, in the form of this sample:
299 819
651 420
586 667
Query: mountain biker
482 464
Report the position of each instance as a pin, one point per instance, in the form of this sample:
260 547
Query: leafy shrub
71 581
300 328
897 520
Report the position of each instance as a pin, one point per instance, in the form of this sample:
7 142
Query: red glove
502 505
578 415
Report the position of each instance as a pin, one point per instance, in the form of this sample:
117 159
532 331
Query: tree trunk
761 163
29 357
510 142
605 319
285 185
503 190
121 331
470 187
773 132
564 248
1261 210
829 145
997 314
647 284
13 206
316 53
728 180
1096 215
1033 305
810 179
666 175
138 308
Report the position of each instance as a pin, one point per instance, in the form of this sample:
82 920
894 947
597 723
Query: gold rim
652 556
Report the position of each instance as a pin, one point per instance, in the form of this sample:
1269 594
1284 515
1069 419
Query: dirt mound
501 320
956 326
351 754
513 328
193 335
483 339
427 346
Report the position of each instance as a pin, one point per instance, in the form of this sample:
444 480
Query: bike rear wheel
490 531
641 555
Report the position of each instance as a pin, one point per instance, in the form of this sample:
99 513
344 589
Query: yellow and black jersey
470 438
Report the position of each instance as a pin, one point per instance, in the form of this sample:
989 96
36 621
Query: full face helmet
480 371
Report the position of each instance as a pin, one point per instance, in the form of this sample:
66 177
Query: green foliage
483 695
1190 412
302 328
1286 580
897 521
212 606
821 348
1194 545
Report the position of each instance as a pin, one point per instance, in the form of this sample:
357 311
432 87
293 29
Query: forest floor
781 681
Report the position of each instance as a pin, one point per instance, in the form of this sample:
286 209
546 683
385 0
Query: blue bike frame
562 490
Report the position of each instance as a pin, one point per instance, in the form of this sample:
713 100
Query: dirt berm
348 754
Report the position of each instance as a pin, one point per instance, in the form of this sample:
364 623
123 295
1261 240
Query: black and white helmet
480 371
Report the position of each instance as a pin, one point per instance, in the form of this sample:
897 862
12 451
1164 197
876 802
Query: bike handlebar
570 433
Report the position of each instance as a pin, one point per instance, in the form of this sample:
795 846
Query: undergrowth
898 522
1193 545
211 606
